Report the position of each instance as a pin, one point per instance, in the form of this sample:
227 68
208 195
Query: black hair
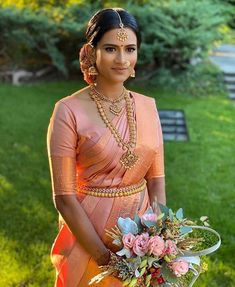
107 19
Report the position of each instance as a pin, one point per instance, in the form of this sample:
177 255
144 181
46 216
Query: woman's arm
156 190
81 227
62 140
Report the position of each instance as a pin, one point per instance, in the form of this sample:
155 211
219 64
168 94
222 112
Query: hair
107 19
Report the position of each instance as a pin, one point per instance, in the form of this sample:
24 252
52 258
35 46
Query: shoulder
73 101
144 99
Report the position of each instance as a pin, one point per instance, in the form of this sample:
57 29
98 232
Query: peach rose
179 267
128 240
156 245
140 246
170 248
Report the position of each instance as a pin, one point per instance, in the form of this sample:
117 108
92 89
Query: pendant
115 109
129 159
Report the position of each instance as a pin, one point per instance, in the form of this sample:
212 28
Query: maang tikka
122 33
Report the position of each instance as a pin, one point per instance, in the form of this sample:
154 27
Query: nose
120 58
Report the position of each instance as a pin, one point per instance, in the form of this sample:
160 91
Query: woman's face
115 60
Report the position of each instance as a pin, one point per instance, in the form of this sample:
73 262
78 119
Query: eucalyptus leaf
164 209
171 214
149 223
123 252
138 222
127 225
185 229
179 214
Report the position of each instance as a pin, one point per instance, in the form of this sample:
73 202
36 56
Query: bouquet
159 250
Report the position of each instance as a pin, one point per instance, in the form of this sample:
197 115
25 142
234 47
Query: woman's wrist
104 258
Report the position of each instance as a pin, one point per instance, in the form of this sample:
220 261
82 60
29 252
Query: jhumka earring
132 73
92 71
122 33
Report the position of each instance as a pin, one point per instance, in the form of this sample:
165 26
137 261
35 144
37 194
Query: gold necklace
129 158
115 107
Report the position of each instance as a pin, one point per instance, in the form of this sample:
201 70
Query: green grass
199 178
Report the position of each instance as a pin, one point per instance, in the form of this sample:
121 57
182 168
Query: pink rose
170 248
179 267
149 217
140 246
128 240
156 245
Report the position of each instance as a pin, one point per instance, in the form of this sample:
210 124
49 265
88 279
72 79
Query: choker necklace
129 158
115 107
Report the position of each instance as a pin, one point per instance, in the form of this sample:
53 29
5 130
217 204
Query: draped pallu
82 151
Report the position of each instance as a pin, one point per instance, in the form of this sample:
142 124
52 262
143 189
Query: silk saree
82 151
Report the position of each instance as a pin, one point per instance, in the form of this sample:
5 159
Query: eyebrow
113 45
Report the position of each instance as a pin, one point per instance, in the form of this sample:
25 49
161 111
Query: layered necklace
115 106
129 158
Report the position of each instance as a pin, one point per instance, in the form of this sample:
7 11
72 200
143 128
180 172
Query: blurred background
186 62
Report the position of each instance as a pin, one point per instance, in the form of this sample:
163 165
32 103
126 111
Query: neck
111 90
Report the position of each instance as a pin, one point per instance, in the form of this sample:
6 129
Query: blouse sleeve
157 167
62 141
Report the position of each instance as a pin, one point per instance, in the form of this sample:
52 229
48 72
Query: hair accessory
121 34
92 71
87 63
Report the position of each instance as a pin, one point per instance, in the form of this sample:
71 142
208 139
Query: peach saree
83 152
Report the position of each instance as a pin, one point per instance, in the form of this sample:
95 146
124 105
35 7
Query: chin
120 79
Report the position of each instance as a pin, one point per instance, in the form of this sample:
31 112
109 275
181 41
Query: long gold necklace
115 107
129 158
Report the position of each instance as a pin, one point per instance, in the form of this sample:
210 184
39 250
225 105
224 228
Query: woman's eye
109 49
131 50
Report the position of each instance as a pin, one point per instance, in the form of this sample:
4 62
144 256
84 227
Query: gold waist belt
113 191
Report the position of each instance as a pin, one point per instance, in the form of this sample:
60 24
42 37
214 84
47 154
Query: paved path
224 57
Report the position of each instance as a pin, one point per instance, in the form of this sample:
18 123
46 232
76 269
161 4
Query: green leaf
168 274
142 271
133 282
148 278
144 263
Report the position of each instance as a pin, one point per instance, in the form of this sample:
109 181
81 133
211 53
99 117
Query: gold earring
132 73
92 71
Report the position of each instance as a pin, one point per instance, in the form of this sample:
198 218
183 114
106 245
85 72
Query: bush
35 38
174 32
201 80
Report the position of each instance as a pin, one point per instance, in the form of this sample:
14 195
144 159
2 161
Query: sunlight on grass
199 178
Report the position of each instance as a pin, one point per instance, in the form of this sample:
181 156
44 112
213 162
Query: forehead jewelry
121 34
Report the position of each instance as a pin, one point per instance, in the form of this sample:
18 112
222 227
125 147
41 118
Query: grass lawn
199 178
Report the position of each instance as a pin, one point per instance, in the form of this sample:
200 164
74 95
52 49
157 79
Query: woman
105 151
